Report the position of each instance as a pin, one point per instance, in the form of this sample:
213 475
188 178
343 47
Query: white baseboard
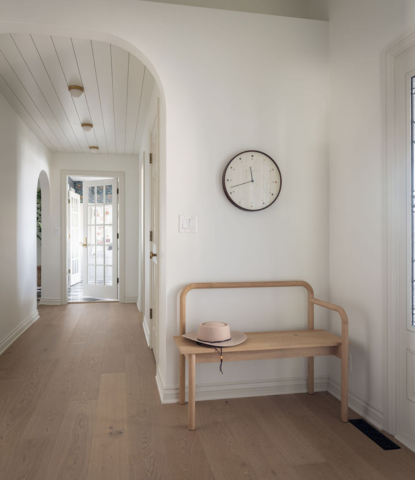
5 344
369 411
50 301
146 332
248 388
130 300
406 440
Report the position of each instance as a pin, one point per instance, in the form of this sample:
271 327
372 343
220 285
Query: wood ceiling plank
19 91
135 87
148 86
19 67
86 64
65 50
47 52
15 103
102 57
34 62
120 66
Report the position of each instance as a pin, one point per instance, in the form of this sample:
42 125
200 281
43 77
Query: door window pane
91 235
99 255
108 235
91 274
100 194
100 215
100 275
108 255
108 194
91 194
108 215
100 235
108 275
91 255
91 214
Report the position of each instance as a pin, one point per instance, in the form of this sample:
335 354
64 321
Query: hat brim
236 339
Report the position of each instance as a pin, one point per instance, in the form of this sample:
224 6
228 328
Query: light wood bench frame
341 350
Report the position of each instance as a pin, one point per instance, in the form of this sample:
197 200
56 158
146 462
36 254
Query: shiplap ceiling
35 72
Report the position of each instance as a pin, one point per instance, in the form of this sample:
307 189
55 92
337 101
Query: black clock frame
224 186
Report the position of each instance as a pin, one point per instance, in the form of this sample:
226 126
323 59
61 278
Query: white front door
100 254
74 231
154 221
406 138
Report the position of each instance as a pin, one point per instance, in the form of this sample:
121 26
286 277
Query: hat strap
218 341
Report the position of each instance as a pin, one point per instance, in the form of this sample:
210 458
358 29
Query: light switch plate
57 231
187 223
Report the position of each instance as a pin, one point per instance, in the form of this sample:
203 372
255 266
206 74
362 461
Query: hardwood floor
78 400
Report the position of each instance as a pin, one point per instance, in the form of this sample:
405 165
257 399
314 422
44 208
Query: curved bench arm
343 317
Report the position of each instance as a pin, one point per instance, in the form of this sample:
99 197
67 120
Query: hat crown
214 332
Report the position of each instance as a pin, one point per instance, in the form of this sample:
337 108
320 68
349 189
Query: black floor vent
374 434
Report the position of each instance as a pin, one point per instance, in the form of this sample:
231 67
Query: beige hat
216 334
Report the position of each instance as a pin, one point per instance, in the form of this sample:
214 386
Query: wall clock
252 181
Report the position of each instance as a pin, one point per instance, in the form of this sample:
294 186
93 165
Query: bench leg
182 393
345 385
192 400
311 375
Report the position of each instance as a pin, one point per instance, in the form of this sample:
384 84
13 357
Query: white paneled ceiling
35 72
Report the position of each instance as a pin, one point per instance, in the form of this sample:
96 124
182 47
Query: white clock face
252 181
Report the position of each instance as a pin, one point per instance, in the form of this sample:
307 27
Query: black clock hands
250 181
252 178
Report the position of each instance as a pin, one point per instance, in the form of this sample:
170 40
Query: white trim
5 344
248 388
64 211
50 301
368 410
130 300
146 332
406 440
390 58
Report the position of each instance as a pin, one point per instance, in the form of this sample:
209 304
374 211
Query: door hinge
69 235
151 236
118 235
151 313
151 158
118 191
118 280
69 270
69 200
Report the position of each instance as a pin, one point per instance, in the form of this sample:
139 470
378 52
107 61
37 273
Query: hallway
78 400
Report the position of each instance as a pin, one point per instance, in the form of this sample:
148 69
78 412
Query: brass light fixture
76 90
87 127
94 149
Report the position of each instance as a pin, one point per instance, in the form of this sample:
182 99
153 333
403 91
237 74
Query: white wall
51 293
22 159
231 81
359 31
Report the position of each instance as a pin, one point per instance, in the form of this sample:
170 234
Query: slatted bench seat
308 343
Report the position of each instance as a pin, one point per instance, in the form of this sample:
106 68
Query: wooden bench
308 343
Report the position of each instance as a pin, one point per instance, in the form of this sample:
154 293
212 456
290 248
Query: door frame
64 219
392 221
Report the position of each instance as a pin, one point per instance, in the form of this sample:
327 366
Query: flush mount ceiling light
76 90
94 149
87 127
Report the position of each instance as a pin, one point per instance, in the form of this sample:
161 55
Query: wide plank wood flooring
78 401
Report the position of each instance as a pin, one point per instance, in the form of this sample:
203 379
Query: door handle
84 243
153 254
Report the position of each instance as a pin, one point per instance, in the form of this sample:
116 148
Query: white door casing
100 254
406 330
154 222
74 235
